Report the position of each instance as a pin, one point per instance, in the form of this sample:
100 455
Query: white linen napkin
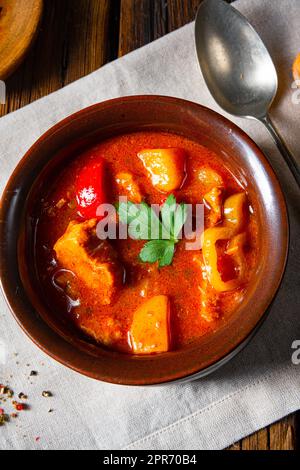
259 386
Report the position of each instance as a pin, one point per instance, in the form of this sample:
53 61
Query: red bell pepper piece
91 189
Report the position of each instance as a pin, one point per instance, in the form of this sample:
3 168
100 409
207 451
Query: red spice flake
19 406
1 411
37 438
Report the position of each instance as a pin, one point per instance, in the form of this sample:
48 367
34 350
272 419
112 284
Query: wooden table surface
77 37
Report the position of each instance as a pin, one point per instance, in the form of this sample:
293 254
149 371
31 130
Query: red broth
181 281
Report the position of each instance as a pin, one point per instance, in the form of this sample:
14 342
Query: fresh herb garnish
162 232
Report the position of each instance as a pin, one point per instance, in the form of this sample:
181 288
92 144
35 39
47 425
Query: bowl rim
8 290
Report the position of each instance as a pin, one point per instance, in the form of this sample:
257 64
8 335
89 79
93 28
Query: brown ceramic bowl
58 338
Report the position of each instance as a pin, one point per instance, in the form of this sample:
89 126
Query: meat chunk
108 331
165 167
213 199
129 186
149 331
210 308
93 261
210 304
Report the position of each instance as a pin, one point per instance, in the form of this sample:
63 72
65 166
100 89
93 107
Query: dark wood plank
141 21
257 441
160 18
236 446
282 434
135 25
75 38
297 430
181 12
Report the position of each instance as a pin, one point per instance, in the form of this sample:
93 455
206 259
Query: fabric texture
260 385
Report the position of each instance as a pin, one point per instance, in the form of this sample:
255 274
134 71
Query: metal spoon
237 68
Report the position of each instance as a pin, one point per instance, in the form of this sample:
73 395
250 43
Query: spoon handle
283 149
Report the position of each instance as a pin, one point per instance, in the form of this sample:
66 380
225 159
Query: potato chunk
93 261
209 178
165 167
149 331
129 186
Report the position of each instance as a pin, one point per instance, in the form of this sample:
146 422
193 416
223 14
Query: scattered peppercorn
22 396
6 391
3 419
47 394
33 372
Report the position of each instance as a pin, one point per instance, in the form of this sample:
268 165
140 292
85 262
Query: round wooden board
19 20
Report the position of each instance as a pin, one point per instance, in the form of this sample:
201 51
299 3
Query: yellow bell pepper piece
210 257
234 212
235 249
234 221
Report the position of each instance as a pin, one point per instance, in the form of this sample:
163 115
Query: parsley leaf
153 251
142 221
127 211
144 224
179 219
173 218
167 257
167 215
158 250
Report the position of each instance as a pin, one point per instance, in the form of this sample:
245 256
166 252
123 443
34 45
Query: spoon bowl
236 65
238 68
